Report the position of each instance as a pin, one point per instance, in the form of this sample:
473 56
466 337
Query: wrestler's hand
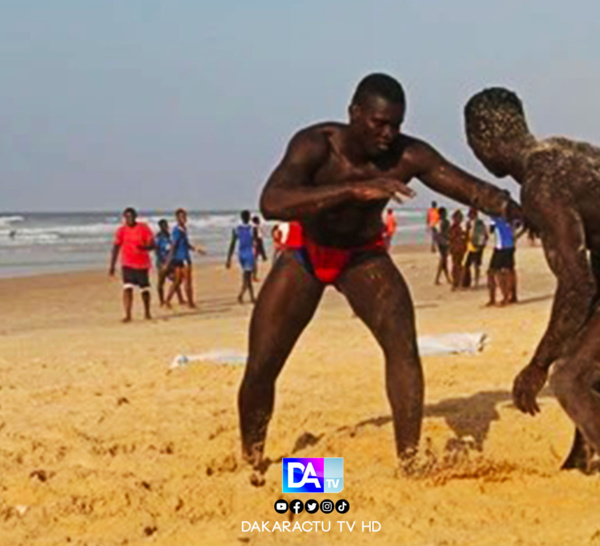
383 188
527 386
111 272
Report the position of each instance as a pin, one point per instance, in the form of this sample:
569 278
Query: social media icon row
312 506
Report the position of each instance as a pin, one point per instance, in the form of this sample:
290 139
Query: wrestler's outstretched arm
290 194
563 239
448 179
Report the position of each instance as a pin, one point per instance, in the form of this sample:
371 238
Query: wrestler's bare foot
148 316
408 461
192 305
126 320
490 304
256 478
240 300
580 456
253 457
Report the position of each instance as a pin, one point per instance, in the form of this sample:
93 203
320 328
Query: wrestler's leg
576 383
580 451
579 455
379 295
285 305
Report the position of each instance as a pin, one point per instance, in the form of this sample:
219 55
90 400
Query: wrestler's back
580 162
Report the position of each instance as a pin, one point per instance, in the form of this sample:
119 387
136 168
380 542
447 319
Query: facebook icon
313 474
297 506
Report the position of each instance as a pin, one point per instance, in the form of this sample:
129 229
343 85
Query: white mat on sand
447 344
469 343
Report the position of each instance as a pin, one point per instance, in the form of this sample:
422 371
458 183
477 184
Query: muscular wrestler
335 180
560 195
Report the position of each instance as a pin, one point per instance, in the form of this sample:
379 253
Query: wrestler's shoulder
558 154
319 134
547 169
414 150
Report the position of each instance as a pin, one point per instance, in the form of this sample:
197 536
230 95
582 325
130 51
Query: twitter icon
311 506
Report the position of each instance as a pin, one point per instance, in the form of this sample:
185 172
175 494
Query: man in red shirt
135 241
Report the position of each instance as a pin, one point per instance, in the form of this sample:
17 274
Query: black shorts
474 257
443 250
135 277
177 264
503 258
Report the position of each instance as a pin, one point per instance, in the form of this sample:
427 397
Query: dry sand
101 445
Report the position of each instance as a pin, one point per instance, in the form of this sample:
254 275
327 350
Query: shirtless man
336 179
560 193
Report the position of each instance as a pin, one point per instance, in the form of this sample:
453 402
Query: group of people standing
465 245
134 241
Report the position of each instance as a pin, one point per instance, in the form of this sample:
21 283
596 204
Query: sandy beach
102 444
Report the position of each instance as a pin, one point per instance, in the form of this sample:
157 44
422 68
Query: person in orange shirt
390 228
433 219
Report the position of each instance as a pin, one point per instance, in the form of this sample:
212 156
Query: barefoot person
501 273
335 180
443 242
134 241
560 190
259 245
243 236
162 247
477 236
180 260
431 223
457 245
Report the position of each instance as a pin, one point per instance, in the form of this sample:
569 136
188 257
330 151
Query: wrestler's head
495 124
130 216
376 113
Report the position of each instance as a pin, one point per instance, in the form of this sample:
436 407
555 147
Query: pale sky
159 104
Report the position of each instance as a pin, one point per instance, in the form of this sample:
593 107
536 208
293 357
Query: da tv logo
313 475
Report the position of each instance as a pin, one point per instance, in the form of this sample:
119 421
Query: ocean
36 243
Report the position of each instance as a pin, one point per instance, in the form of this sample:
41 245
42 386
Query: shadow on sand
469 417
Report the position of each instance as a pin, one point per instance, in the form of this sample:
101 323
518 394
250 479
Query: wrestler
560 193
335 180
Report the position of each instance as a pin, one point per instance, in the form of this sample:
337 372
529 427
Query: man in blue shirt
244 237
501 272
180 260
162 247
